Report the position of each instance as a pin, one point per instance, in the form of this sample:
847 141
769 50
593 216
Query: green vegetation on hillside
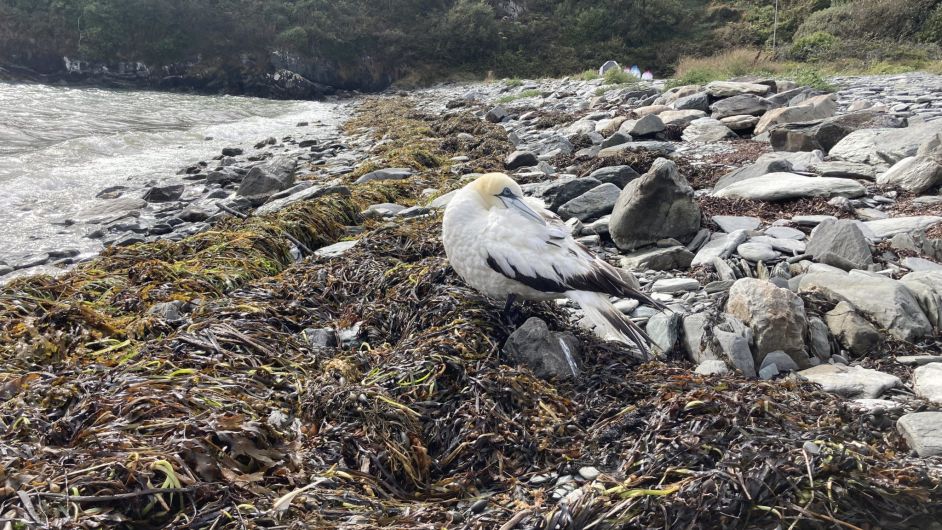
421 40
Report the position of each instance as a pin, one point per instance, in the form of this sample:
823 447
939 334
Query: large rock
743 104
764 165
884 147
725 89
825 134
776 317
851 381
111 210
266 180
785 186
549 354
656 206
884 301
592 204
853 331
815 108
707 130
923 432
927 382
915 174
841 244
163 193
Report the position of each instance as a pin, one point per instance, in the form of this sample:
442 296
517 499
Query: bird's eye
506 192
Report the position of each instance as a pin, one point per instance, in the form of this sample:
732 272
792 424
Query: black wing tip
631 330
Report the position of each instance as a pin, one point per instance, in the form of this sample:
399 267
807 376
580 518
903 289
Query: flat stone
740 123
923 432
756 251
659 259
743 104
675 285
839 169
814 108
335 250
725 89
731 223
306 194
920 264
617 175
812 220
914 174
654 147
918 360
785 186
680 118
784 232
592 204
851 381
720 247
707 130
884 228
883 147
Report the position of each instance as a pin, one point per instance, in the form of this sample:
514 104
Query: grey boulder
549 354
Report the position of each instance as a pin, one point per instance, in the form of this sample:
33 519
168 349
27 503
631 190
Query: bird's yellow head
499 190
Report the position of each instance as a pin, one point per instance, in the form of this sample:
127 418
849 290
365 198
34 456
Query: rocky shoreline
291 310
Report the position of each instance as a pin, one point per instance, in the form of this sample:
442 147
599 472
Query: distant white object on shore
609 65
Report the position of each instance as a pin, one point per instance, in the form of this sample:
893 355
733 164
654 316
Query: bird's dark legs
506 315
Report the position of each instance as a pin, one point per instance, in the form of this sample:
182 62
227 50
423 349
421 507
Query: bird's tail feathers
609 322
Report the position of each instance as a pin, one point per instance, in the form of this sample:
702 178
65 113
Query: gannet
507 245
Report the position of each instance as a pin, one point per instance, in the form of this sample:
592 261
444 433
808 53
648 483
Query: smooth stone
660 259
707 130
336 250
923 432
785 186
884 228
927 382
675 285
592 204
784 232
731 223
712 367
754 251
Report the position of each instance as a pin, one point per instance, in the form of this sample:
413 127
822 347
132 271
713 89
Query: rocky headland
279 336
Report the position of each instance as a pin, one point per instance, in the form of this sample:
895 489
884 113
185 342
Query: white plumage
505 245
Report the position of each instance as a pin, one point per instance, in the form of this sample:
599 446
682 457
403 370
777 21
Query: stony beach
277 337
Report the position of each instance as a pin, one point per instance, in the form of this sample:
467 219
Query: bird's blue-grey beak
511 200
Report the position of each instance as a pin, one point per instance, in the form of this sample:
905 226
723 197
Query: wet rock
519 159
851 381
658 205
914 174
786 186
743 104
659 259
707 130
496 114
617 175
163 193
111 210
549 354
263 181
393 173
231 151
776 317
841 244
193 215
592 204
884 301
128 239
853 331
923 432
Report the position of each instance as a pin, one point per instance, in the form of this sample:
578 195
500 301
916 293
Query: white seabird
507 245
